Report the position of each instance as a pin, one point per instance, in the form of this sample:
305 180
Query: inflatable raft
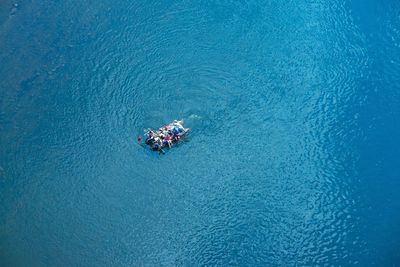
166 136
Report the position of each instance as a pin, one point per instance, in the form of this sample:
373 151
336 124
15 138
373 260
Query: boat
166 136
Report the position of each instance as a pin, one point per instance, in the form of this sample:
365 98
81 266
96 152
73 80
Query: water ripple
270 90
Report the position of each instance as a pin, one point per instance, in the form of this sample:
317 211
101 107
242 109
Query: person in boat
149 137
168 140
175 131
155 146
165 136
162 135
177 124
176 136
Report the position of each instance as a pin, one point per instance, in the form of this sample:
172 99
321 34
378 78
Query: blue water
293 157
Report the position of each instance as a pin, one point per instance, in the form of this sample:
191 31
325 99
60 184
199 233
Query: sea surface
293 157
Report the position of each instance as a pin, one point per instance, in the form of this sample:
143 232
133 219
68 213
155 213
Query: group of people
165 136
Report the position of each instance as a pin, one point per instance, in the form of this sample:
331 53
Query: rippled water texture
293 157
